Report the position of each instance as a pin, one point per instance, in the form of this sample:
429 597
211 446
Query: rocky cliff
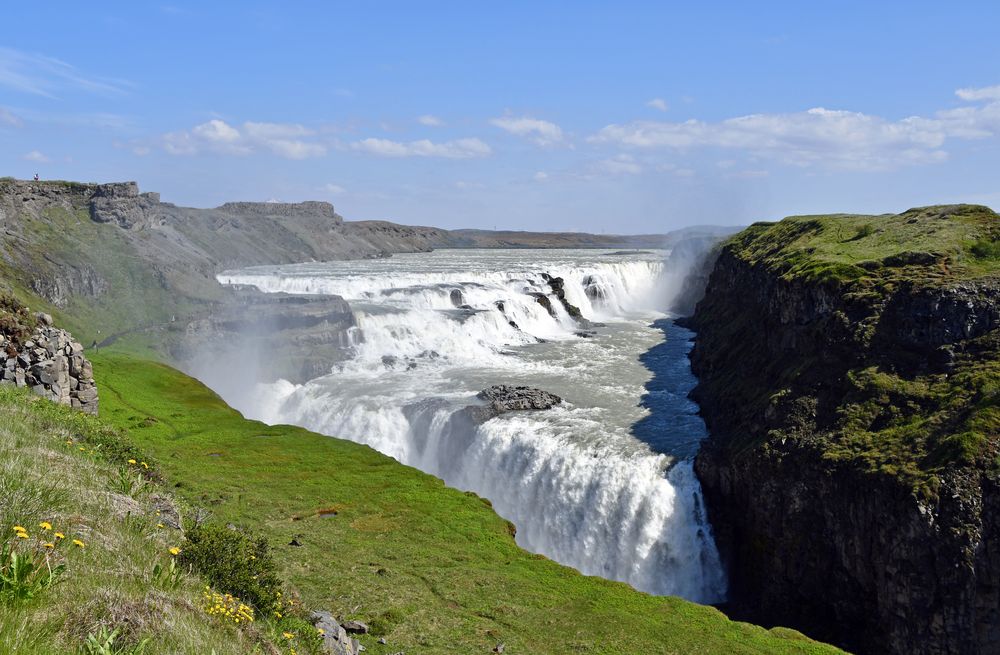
44 358
850 377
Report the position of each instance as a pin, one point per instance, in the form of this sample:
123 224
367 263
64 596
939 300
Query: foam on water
579 486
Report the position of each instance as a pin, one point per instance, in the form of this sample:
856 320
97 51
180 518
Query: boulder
506 398
356 627
335 639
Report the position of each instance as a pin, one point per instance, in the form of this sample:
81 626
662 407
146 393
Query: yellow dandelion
22 535
174 550
18 528
159 525
131 461
82 449
59 535
69 442
288 635
278 614
50 546
79 544
145 465
45 525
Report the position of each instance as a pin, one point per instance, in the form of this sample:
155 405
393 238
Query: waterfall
434 329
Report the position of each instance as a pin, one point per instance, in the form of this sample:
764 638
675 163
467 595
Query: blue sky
614 117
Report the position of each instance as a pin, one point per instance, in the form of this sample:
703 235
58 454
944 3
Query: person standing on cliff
36 177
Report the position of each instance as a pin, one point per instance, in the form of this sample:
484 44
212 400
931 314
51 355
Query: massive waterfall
433 329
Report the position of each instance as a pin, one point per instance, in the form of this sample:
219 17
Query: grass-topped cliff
849 374
900 390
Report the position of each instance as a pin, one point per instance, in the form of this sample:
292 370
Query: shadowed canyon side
848 376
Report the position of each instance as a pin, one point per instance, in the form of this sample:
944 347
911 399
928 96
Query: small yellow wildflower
18 528
22 535
69 442
45 525
131 461
59 535
278 614
321 631
159 525
79 544
144 465
288 635
50 546
81 449
175 551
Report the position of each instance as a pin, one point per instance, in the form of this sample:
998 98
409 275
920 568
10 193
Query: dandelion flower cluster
227 607
174 550
45 541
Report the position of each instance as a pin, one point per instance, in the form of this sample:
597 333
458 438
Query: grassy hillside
938 244
432 570
90 518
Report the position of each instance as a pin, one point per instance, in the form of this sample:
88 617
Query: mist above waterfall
431 330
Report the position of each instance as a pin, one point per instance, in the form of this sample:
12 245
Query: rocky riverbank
848 382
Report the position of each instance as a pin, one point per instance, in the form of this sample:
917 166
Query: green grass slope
937 244
431 569
55 481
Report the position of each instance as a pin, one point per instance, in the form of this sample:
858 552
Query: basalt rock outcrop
52 364
502 398
849 387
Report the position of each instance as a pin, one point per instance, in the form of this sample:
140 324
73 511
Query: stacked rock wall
52 364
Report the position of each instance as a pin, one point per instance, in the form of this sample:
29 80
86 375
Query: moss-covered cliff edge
849 371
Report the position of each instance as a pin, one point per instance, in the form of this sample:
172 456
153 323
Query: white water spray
433 329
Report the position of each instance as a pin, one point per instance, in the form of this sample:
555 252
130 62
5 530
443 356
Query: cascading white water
433 329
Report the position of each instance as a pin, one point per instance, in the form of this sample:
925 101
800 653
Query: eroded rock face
52 364
845 553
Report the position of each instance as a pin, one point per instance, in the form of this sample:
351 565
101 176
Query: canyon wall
851 394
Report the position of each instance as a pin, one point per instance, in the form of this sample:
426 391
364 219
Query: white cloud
288 140
981 93
334 189
820 137
541 132
430 121
7 118
659 104
36 156
619 165
541 176
463 184
457 149
40 75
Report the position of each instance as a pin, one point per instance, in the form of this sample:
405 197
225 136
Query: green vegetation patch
431 569
928 244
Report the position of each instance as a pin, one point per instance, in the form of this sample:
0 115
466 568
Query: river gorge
602 482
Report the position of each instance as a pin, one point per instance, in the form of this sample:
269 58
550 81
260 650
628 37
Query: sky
615 117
